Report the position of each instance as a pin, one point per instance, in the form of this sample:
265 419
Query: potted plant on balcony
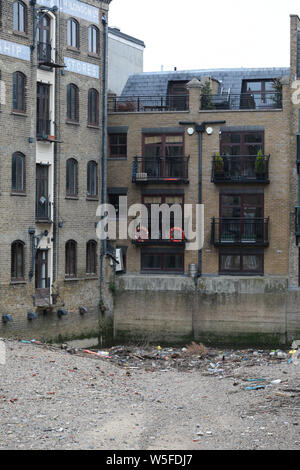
277 98
219 165
260 165
206 96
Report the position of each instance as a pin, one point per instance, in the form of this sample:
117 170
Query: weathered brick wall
18 212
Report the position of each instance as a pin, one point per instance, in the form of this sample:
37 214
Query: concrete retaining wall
250 310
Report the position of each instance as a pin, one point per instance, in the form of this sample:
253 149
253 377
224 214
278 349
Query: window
91 257
19 82
44 38
175 220
118 146
242 143
158 260
241 261
258 94
242 220
17 261
73 33
117 198
163 156
43 126
72 103
72 178
178 95
92 180
19 16
93 107
18 173
71 259
94 40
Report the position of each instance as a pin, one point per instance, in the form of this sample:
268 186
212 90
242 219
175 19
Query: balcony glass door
241 217
43 39
42 197
43 110
164 156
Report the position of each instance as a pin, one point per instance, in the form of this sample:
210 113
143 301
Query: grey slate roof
156 83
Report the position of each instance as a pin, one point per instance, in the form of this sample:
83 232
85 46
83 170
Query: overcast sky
195 34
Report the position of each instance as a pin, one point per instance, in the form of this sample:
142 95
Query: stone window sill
74 123
15 193
19 113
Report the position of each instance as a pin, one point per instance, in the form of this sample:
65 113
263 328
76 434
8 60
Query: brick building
53 85
225 139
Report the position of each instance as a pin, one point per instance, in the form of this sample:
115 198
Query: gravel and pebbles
148 398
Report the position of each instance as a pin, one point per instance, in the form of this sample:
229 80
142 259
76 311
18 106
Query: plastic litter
256 387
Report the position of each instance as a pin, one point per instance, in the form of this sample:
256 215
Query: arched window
19 16
18 173
17 261
91 257
73 33
92 186
71 259
72 178
93 107
19 82
72 102
94 36
44 38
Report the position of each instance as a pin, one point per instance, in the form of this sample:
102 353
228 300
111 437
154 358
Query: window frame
16 190
92 29
242 144
17 276
90 195
243 205
16 17
72 103
118 155
93 107
162 254
91 258
19 92
70 35
71 263
71 179
241 271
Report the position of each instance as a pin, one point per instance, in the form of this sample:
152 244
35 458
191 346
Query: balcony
173 170
43 127
240 169
44 53
43 213
174 237
236 231
131 104
259 101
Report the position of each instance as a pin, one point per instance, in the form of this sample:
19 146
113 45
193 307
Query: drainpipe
104 142
200 128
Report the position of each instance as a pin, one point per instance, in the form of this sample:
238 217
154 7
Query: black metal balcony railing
242 101
43 127
173 236
43 209
160 103
44 51
240 169
160 169
237 231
